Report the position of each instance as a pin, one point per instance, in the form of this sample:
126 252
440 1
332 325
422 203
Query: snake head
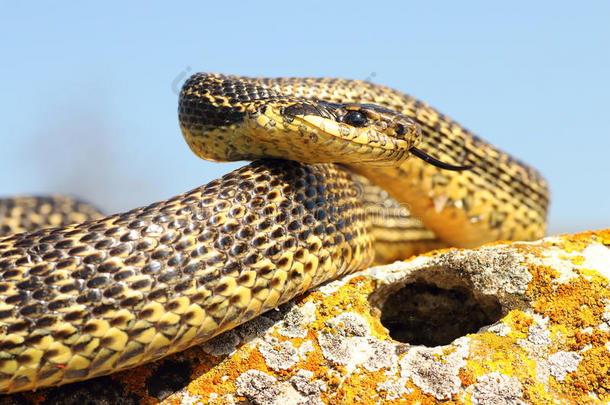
368 131
343 133
225 118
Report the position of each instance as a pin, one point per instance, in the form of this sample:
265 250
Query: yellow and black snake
89 299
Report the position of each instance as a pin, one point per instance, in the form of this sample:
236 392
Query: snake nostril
423 314
400 129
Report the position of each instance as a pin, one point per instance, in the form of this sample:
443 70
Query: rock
510 323
505 323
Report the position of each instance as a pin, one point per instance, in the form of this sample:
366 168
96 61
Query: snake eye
354 118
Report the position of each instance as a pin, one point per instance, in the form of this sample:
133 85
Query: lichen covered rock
510 323
505 323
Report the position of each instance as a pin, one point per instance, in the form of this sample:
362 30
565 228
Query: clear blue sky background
88 94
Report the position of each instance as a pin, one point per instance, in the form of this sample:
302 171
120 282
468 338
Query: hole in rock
423 314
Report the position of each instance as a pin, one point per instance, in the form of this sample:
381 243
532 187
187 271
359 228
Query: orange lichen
359 387
519 323
592 376
467 376
542 281
577 303
578 242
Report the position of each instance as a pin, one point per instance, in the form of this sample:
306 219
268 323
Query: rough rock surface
509 323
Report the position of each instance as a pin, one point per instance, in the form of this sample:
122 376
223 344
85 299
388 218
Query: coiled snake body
93 298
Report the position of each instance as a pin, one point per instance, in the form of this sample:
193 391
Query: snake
344 173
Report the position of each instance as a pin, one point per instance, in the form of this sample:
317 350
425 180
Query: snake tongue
435 162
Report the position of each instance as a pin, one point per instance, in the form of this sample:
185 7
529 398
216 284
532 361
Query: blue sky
88 93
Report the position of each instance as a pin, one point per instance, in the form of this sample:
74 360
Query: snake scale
95 297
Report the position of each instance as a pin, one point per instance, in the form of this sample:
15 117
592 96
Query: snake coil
92 298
